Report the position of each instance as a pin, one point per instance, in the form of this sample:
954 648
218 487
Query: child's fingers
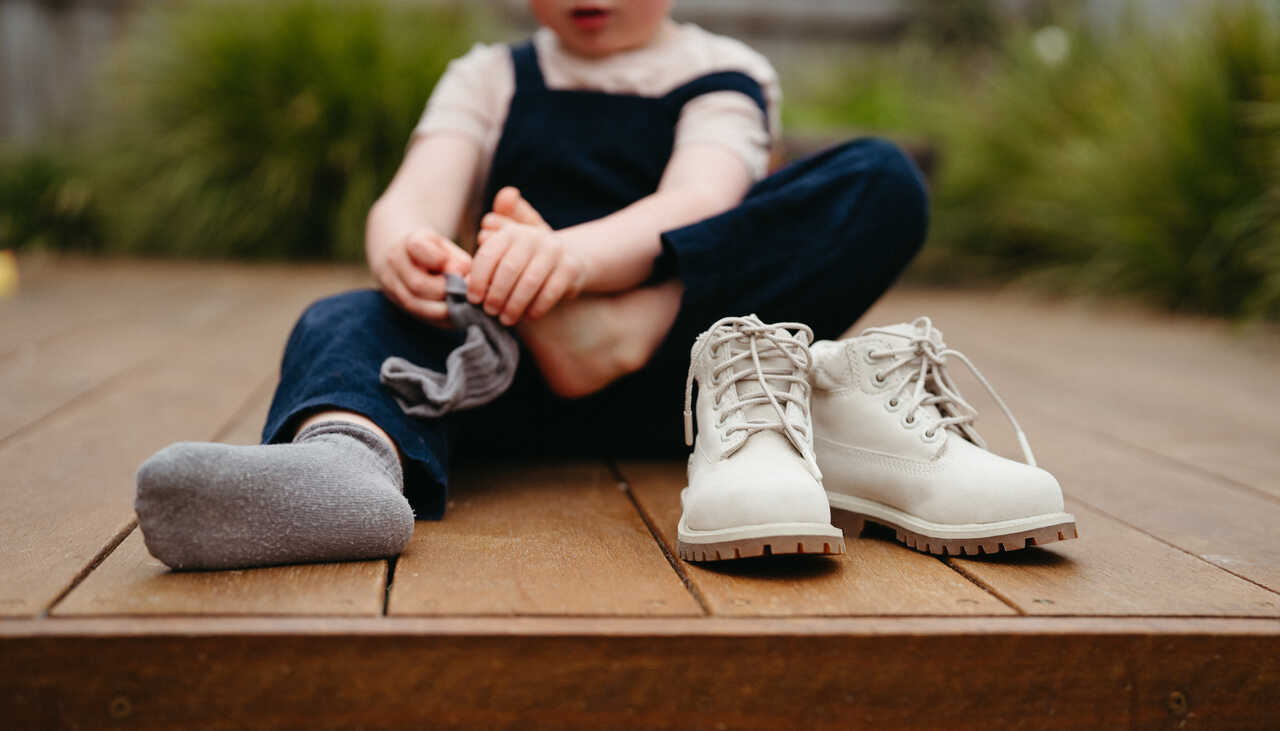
494 221
483 265
417 282
426 251
459 263
531 280
553 290
506 274
435 312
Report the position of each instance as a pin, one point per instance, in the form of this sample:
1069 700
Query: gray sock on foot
334 494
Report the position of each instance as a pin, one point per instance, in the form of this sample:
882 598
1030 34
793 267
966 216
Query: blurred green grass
1134 162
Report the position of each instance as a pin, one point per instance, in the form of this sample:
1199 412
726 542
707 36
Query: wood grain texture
43 375
668 681
131 582
1116 570
528 538
69 485
872 577
1179 503
635 626
60 295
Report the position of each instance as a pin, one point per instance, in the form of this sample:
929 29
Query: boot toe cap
731 497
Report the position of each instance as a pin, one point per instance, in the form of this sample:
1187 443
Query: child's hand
411 273
522 269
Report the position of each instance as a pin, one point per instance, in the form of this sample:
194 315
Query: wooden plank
542 538
130 581
1195 511
1191 389
890 674
635 626
1116 570
1205 515
44 375
69 482
60 295
1232 529
873 577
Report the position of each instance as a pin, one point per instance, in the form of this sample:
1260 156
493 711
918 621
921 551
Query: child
622 157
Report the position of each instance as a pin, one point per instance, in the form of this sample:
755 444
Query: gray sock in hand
334 494
476 372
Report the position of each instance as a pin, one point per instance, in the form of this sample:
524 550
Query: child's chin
591 45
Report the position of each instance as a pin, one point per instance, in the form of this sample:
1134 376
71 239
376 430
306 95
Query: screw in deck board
120 707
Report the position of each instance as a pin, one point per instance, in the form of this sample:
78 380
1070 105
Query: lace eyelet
892 405
931 435
880 380
870 356
909 421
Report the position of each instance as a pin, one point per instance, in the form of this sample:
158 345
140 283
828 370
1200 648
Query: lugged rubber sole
974 539
758 540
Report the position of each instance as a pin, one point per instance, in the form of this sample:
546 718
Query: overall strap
528 74
721 81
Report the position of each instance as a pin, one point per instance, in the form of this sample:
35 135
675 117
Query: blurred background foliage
1133 159
238 129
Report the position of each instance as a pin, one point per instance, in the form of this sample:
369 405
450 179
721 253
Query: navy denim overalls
816 242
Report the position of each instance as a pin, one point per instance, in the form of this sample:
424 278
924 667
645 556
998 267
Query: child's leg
334 490
583 345
817 242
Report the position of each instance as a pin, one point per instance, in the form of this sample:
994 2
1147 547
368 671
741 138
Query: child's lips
589 18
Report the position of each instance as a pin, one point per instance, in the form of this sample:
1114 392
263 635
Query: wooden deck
514 612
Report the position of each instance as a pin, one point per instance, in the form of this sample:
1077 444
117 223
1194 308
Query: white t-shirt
473 95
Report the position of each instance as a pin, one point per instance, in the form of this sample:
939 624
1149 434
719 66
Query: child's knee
349 309
896 189
895 176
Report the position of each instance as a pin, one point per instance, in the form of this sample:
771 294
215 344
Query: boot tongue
900 335
771 360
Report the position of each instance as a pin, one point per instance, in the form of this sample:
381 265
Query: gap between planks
671 557
131 582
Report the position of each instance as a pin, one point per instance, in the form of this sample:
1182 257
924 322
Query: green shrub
1138 163
46 202
891 91
263 129
1143 166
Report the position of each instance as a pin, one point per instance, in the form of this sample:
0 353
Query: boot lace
925 362
746 340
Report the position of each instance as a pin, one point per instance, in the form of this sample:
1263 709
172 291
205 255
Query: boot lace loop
746 340
924 359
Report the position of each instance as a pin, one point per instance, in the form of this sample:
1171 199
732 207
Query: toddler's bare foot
583 345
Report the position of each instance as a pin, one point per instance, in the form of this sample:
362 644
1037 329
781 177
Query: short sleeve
731 119
472 96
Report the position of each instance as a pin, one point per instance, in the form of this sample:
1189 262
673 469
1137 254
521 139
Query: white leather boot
754 487
896 443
